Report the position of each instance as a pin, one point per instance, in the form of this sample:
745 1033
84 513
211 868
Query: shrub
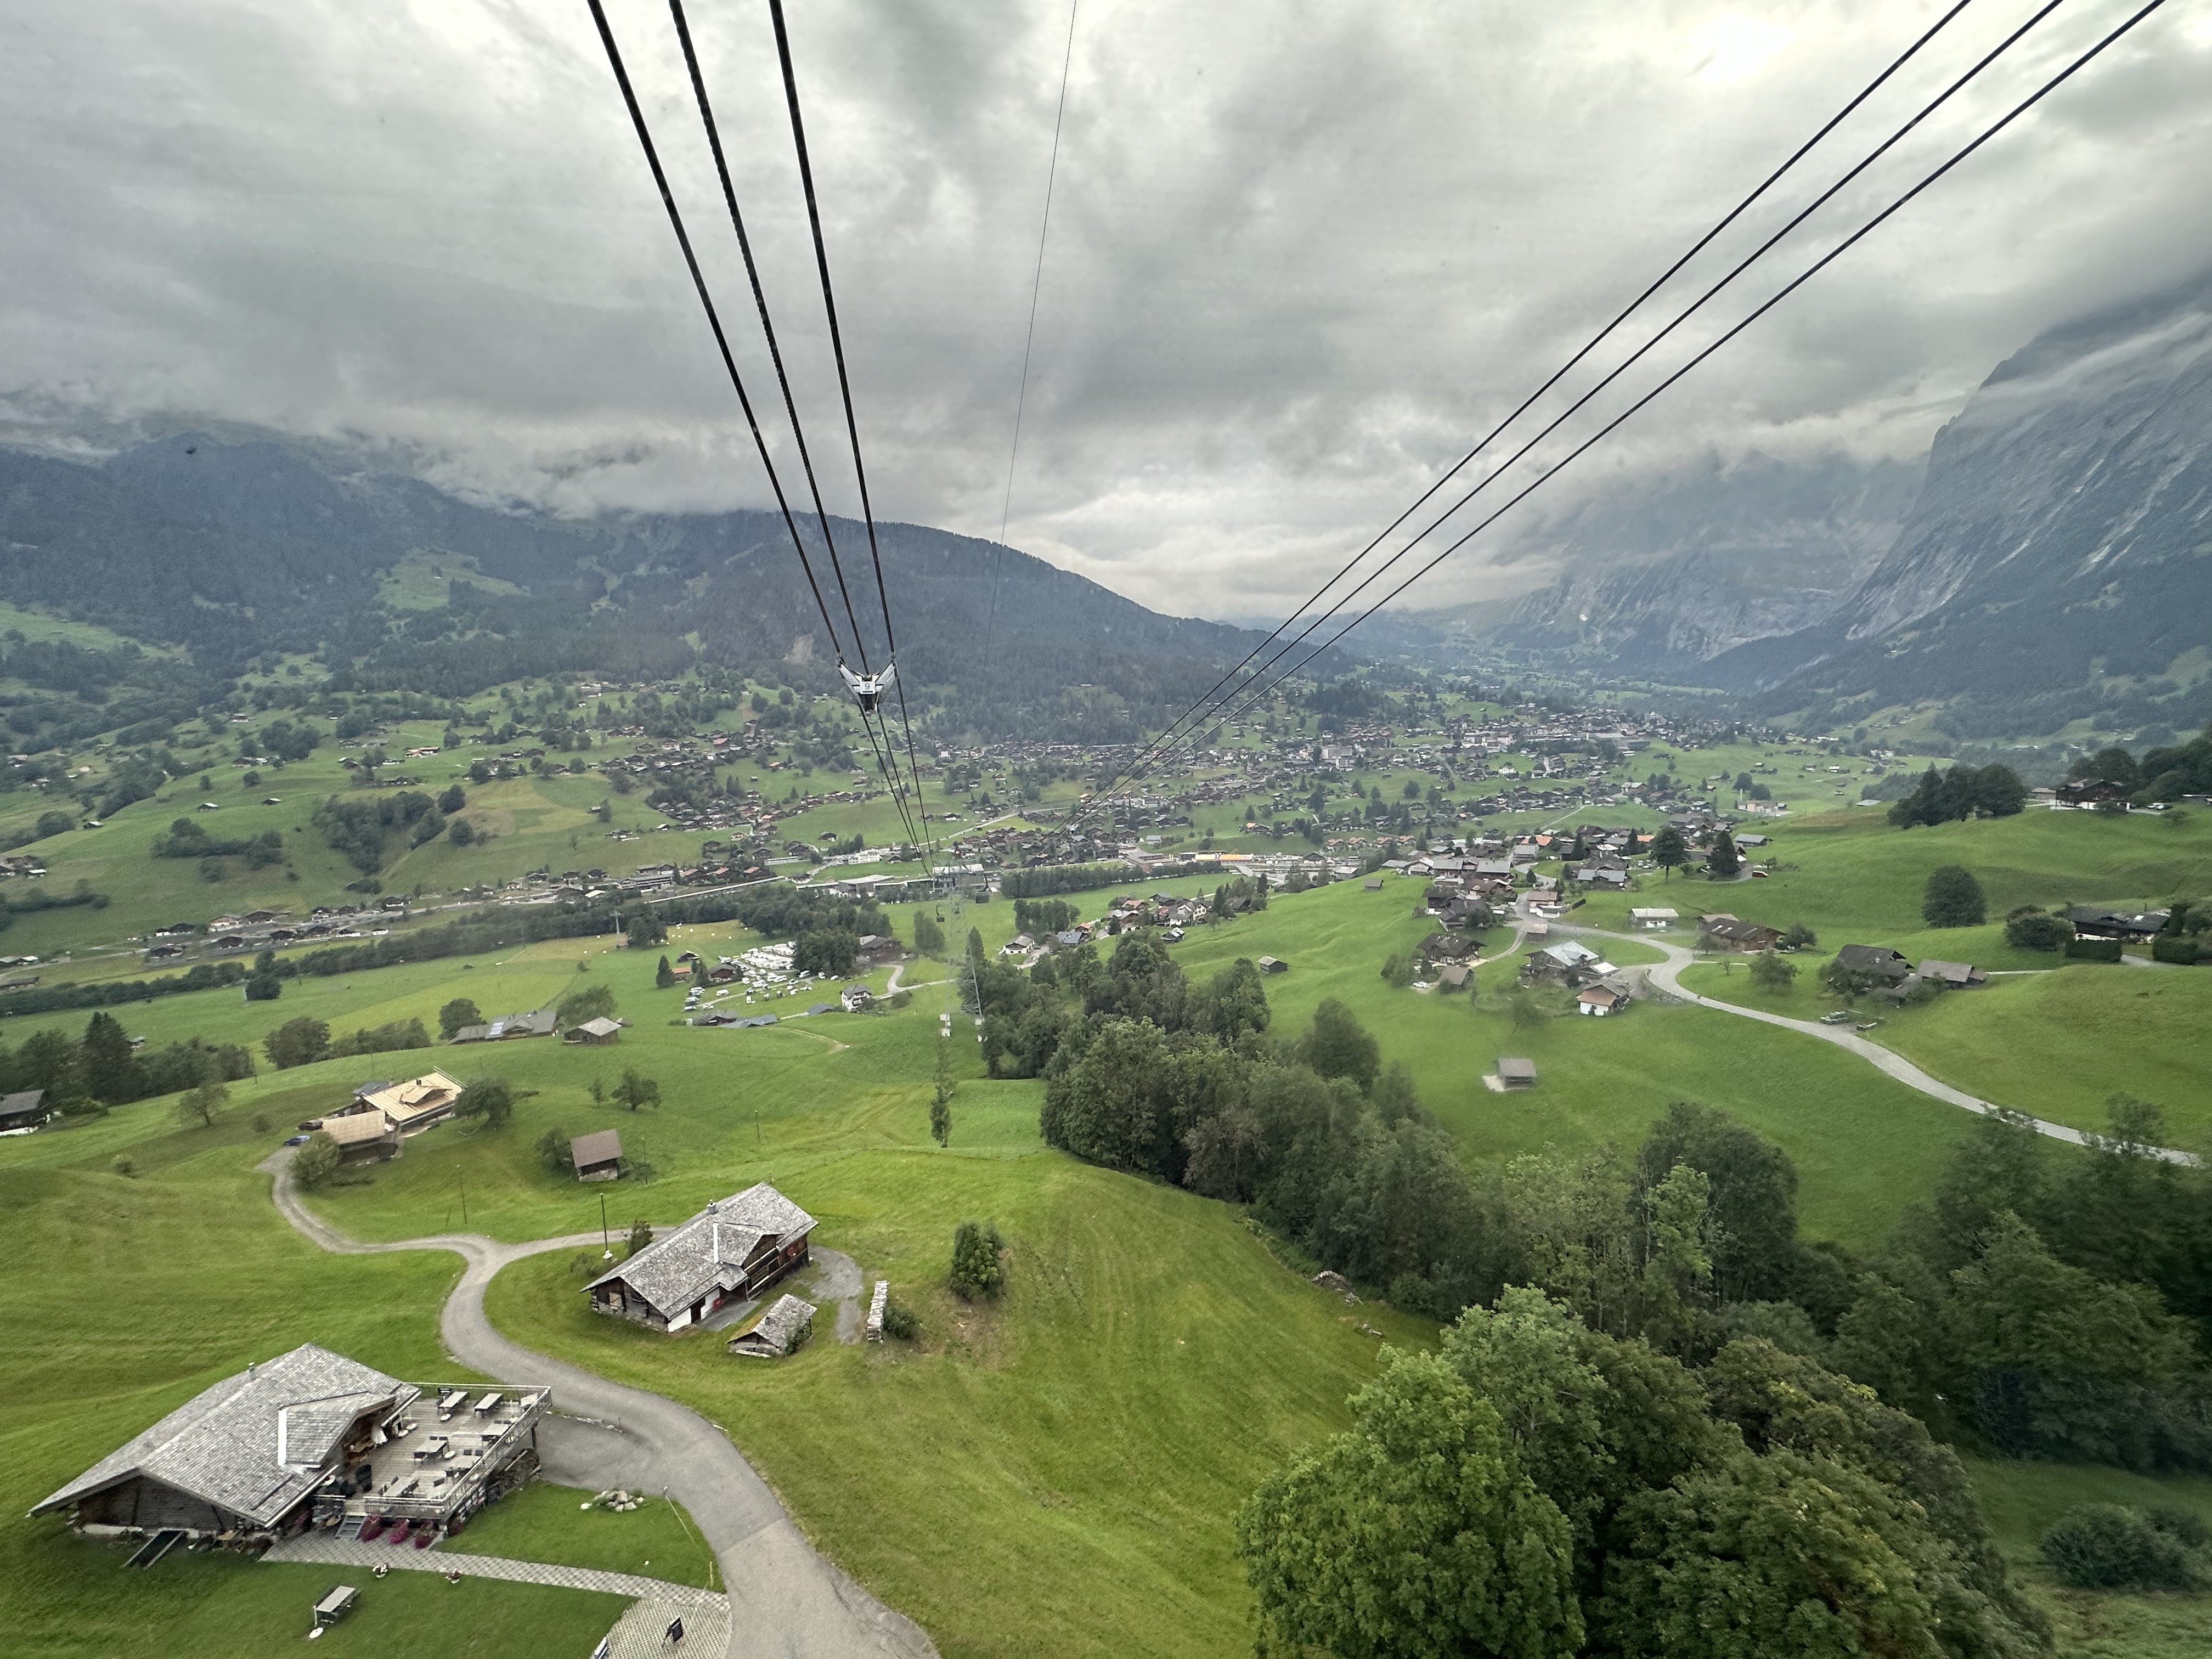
553 1152
2111 1547
2037 930
978 1267
900 1321
1419 1296
1772 973
124 1167
2093 950
2180 951
315 1162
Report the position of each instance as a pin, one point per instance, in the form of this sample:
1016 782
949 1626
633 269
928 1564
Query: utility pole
606 1243
463 1179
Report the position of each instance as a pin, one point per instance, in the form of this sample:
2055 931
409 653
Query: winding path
1667 976
786 1598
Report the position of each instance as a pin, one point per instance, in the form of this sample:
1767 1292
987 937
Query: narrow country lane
786 1598
1667 976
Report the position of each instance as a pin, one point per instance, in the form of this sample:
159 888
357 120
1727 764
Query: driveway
1667 976
786 1598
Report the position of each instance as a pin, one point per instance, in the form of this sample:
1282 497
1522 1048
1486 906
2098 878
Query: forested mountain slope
2058 561
244 550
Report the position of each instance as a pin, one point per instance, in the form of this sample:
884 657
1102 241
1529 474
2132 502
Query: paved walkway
784 1596
641 1630
1667 976
353 1553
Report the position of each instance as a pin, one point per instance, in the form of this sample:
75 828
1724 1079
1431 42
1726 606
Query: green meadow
1057 1472
1864 1146
126 1298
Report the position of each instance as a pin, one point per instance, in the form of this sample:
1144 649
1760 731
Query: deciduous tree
1417 1533
1953 898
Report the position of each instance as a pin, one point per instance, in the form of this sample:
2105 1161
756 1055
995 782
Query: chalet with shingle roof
245 1455
781 1330
733 1249
311 1435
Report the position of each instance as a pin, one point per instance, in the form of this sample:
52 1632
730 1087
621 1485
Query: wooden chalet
310 1437
415 1105
1728 932
730 1251
23 1111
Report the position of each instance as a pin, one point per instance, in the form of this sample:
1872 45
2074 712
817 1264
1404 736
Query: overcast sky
1301 253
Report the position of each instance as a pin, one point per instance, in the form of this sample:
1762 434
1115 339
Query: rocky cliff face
1659 580
2059 557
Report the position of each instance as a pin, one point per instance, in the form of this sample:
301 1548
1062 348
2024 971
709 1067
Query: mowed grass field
1057 1473
124 1298
2057 1043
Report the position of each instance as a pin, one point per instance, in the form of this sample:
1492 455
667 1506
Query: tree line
102 1069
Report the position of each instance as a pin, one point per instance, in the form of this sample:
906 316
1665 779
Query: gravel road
786 1598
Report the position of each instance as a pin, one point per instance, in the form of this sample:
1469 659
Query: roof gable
254 1444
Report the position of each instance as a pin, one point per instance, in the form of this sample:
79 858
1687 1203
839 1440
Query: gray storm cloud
1301 252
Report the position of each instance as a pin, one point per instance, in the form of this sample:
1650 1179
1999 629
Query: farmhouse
2091 791
597 1156
363 1137
1730 933
597 1033
310 1438
415 1105
1514 1073
2095 921
24 1110
1599 999
1875 961
1273 965
781 1330
537 1023
1653 918
730 1250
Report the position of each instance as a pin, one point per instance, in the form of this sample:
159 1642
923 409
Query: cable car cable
783 382
1826 259
1757 253
1595 340
1029 340
844 380
707 301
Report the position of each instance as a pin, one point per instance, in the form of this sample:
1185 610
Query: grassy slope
2022 1499
1863 1144
126 1298
1055 1476
2056 1044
